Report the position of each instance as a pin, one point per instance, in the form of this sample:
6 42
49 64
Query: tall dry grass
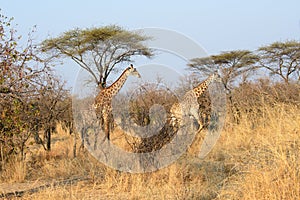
256 158
266 148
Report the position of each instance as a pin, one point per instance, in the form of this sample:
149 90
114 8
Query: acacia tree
98 50
281 59
231 64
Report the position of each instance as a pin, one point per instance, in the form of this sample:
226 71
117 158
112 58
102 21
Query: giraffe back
189 104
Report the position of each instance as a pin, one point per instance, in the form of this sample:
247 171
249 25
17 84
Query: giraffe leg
111 122
195 115
106 120
99 116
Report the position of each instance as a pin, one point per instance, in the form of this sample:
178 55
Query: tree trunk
47 137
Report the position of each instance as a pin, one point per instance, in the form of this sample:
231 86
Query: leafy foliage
27 84
281 59
232 65
98 50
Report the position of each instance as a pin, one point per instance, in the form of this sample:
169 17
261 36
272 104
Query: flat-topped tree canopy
282 59
98 50
232 64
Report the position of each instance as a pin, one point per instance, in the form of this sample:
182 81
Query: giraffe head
132 71
215 77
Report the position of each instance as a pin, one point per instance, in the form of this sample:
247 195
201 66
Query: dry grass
268 154
259 158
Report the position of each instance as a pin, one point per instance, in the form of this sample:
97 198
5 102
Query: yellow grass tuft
258 158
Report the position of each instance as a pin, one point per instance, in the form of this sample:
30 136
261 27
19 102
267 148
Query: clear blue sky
215 25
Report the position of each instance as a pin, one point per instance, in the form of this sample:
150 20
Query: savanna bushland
256 157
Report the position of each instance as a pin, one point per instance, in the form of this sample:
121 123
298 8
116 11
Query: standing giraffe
103 100
189 104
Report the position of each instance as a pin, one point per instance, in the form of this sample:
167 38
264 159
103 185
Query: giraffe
189 104
103 101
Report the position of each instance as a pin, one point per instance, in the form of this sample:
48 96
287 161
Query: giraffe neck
202 87
114 88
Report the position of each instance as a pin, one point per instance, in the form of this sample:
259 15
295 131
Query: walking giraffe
103 100
189 105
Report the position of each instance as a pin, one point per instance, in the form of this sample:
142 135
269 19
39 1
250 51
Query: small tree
281 59
53 105
232 65
24 78
18 75
98 50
